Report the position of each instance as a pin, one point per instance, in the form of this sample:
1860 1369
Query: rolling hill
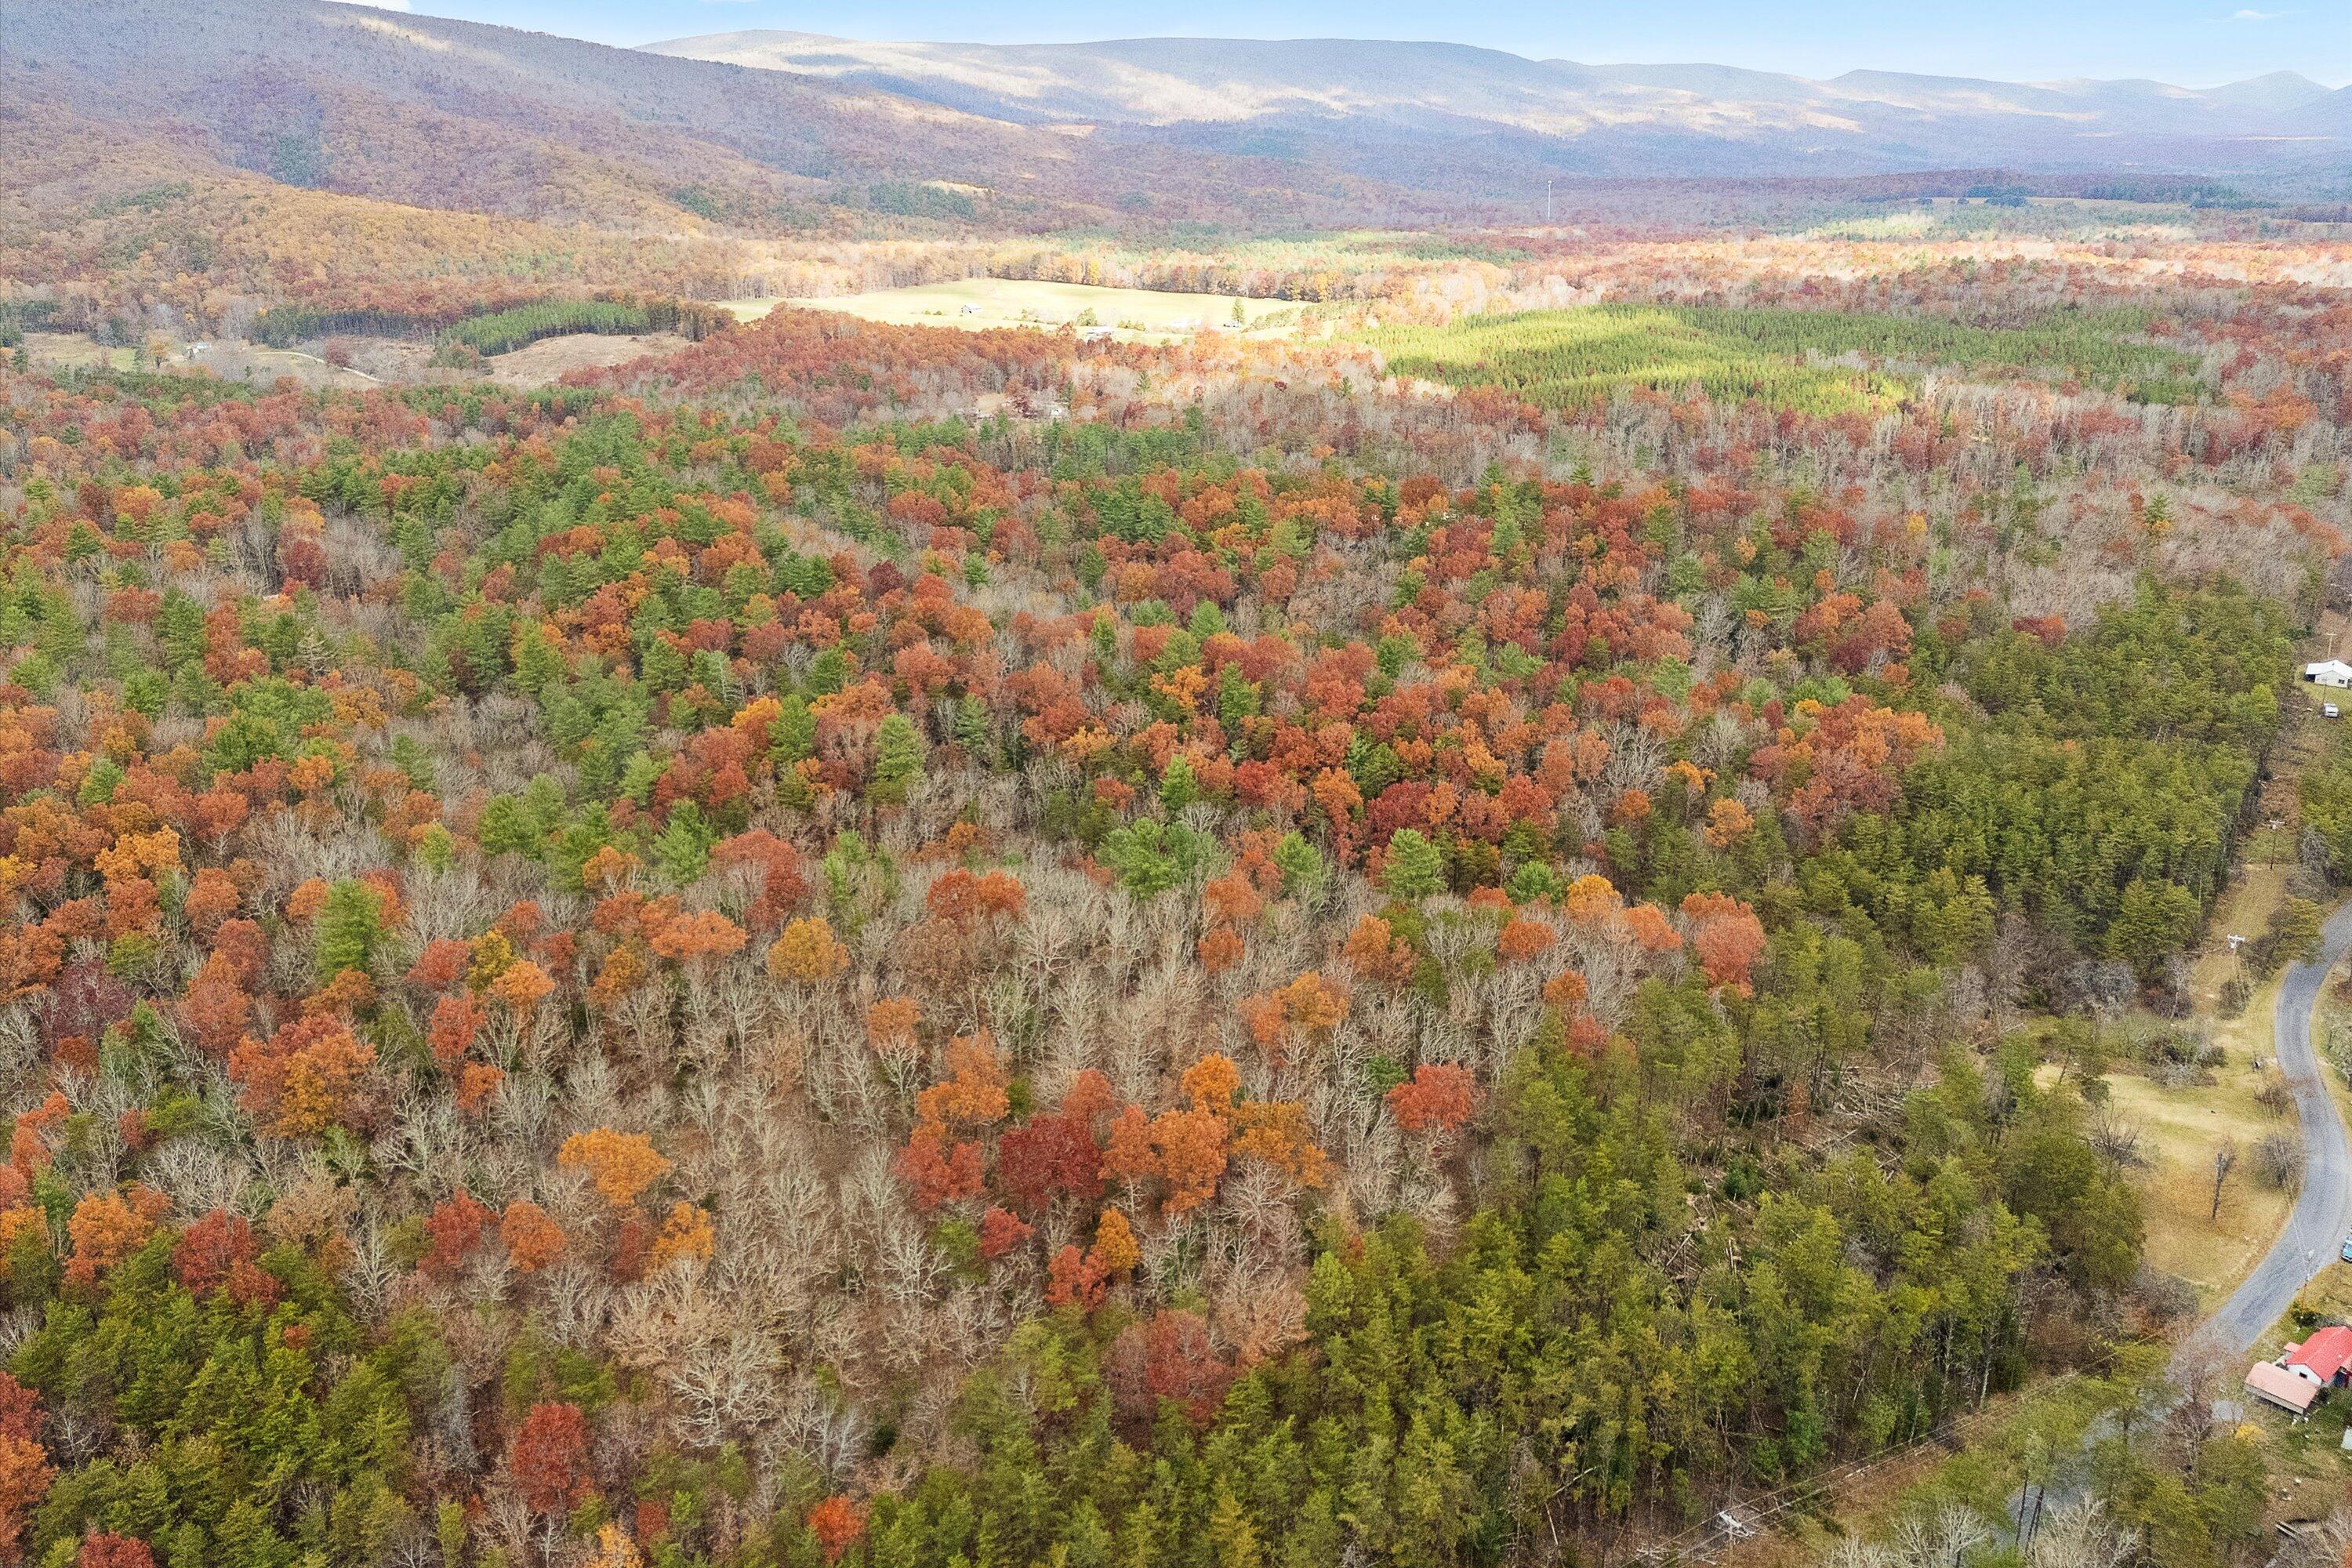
443 113
785 133
1416 110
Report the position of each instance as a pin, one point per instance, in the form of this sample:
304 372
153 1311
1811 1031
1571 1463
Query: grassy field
2183 1126
73 351
1563 358
1953 217
232 359
2181 1130
541 363
1134 315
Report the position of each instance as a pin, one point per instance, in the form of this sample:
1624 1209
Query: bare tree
2115 1138
2225 1158
2278 1160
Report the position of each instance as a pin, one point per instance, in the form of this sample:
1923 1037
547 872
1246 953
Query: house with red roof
2303 1372
2325 1358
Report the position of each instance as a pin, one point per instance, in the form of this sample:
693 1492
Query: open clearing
1134 315
2182 1127
231 359
542 364
548 361
72 351
374 360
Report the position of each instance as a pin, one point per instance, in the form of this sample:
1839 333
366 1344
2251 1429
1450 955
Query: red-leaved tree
549 1457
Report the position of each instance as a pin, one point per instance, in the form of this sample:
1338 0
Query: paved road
2313 1233
2323 1209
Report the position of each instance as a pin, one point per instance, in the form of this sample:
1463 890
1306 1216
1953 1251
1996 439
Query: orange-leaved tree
622 1165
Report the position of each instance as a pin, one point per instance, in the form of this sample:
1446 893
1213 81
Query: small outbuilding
2328 672
2273 1384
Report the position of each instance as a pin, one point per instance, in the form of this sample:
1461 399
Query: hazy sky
2195 43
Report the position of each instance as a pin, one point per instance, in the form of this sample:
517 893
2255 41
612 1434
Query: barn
2273 1384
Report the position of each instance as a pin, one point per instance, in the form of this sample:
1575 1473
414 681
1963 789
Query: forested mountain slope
455 115
1334 101
443 113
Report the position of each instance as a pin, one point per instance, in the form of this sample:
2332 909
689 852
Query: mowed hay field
1134 315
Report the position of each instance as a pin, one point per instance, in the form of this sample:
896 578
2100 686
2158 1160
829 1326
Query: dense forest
903 947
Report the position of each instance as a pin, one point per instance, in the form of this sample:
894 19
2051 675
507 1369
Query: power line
1703 1542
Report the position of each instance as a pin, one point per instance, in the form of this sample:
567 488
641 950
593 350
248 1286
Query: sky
2192 43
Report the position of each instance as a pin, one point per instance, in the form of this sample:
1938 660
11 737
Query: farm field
231 359
1134 315
541 363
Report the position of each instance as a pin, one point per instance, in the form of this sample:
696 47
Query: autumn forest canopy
1447 904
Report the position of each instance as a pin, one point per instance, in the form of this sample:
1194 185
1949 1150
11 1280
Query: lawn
1135 315
2183 1126
2181 1130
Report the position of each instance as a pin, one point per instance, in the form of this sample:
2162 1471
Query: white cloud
378 5
2234 15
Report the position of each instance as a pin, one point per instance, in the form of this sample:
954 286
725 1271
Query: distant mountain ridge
1317 97
437 113
776 134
